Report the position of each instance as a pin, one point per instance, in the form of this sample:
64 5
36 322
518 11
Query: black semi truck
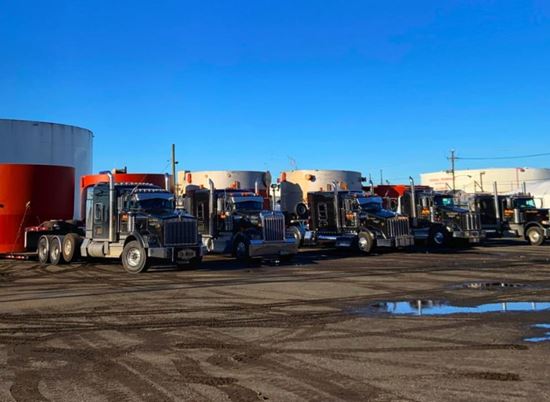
350 219
234 221
511 215
434 216
135 222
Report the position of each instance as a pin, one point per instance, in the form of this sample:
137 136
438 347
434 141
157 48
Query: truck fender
138 237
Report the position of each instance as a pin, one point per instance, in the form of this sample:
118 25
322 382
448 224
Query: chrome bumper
473 236
396 242
175 253
261 248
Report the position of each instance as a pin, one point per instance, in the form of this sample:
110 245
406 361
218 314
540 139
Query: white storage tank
241 179
476 180
35 142
295 184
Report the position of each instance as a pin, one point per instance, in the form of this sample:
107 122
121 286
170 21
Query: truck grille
180 233
273 225
470 221
396 227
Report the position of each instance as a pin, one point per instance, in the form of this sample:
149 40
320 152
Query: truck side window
322 212
98 212
200 211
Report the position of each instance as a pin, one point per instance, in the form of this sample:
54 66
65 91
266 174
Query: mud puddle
435 307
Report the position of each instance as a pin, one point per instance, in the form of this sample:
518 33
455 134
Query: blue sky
361 85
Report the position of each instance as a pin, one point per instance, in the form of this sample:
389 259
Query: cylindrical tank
295 184
35 142
30 195
90 180
227 179
241 179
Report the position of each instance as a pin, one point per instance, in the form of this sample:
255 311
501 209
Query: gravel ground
229 332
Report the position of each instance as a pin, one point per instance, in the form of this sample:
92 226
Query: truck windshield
370 204
247 206
444 201
524 203
153 204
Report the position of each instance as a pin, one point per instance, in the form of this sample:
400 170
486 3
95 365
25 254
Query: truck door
100 213
201 211
487 211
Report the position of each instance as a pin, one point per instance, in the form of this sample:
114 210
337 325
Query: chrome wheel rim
241 249
534 236
134 257
68 248
439 238
363 243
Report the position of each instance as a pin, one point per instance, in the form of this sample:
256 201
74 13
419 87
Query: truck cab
235 221
352 219
135 222
435 217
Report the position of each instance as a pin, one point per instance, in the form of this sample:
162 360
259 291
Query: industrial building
476 180
40 143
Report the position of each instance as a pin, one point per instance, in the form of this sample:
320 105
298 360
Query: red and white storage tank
34 142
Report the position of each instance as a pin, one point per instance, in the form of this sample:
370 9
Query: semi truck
339 213
135 222
434 216
237 221
511 215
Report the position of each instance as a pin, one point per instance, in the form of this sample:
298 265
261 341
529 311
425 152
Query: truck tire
296 234
241 248
365 242
70 247
43 250
438 237
56 256
535 236
301 210
134 258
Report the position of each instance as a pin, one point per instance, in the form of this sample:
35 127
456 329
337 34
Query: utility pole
174 163
381 177
453 158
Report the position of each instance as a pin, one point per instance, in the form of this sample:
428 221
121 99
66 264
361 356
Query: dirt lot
280 333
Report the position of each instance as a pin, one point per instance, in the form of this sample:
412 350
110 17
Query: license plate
186 254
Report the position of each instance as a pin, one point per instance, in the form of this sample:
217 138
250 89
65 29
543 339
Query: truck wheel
55 250
439 237
535 236
241 249
44 250
134 258
71 247
365 242
296 234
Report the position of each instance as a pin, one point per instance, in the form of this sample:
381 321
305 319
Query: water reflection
435 307
544 338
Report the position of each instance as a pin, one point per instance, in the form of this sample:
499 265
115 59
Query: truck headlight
545 223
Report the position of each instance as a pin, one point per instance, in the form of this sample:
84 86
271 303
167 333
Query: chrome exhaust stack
336 205
212 204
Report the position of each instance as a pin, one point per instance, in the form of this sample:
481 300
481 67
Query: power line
504 157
